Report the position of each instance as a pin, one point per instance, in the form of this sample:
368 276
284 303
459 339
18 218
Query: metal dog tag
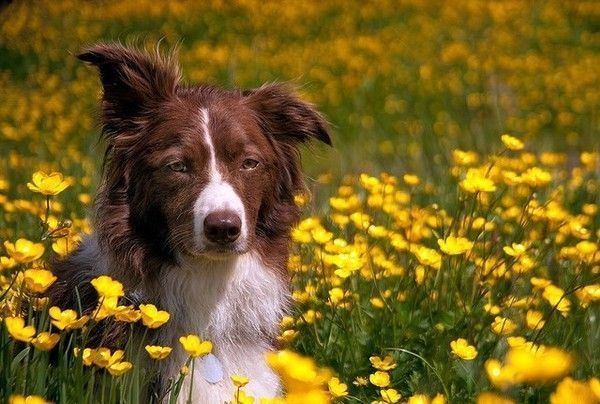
212 368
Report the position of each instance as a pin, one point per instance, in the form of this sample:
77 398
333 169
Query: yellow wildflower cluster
458 258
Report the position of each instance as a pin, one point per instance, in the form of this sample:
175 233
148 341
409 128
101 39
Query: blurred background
402 82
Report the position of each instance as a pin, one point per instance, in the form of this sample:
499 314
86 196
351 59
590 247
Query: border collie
194 212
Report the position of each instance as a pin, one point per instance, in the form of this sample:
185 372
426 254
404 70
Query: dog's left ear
134 83
284 116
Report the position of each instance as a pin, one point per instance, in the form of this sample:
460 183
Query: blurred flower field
449 250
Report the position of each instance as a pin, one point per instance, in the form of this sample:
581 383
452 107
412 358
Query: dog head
194 170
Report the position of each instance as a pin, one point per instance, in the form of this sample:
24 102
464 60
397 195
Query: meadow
449 247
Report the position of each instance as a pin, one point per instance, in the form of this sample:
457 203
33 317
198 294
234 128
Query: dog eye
178 166
249 164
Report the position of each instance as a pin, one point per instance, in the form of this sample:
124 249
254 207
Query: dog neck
230 302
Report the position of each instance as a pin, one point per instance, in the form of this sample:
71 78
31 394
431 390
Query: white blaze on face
218 195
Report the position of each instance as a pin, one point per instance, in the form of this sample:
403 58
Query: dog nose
222 227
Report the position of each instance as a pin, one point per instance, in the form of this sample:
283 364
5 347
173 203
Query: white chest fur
236 304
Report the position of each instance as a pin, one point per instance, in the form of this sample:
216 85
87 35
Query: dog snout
222 227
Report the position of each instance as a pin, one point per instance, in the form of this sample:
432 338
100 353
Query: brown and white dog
194 211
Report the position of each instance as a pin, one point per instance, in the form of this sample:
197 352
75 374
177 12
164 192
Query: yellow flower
464 158
455 245
47 184
45 341
475 182
102 357
288 336
19 399
493 398
463 350
38 280
127 314
536 177
556 297
418 399
377 302
380 379
512 143
87 356
427 256
360 381
300 376
158 352
7 263
117 369
152 317
18 330
411 180
588 294
515 250
498 375
194 346
66 320
320 235
390 396
65 245
337 388
240 397
239 381
107 286
24 251
540 365
503 326
571 391
534 319
438 399
387 363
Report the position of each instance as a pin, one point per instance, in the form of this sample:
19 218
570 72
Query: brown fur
143 211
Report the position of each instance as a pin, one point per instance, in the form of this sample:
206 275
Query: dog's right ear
134 83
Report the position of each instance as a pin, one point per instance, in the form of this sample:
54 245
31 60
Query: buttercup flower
117 369
45 341
455 245
66 320
556 297
571 391
534 319
387 363
390 396
152 317
107 287
380 379
19 399
38 280
411 180
194 346
24 251
7 263
515 249
493 398
503 326
337 388
540 365
103 357
158 352
47 184
512 143
475 182
18 330
463 350
239 381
